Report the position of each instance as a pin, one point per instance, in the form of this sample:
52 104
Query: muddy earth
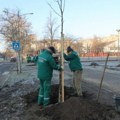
19 102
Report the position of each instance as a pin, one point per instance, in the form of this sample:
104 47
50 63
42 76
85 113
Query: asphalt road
92 74
111 77
6 67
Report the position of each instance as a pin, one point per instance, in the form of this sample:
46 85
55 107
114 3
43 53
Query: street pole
19 56
118 45
19 37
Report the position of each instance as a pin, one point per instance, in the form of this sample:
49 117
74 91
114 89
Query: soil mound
77 108
74 108
94 64
118 65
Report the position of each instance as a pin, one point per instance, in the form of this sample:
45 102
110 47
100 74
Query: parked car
13 59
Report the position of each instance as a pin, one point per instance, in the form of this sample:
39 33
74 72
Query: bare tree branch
9 26
51 28
53 9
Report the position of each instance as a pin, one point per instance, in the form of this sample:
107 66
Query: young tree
61 6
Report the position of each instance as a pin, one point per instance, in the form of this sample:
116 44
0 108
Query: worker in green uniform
35 58
28 59
46 64
76 67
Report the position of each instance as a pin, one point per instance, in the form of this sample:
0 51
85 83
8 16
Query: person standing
28 59
76 67
46 64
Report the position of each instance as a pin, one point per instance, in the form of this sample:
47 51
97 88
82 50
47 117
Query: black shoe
40 104
41 107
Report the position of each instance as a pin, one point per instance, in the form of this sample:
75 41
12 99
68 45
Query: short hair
52 49
69 49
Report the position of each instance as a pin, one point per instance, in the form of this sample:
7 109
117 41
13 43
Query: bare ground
19 102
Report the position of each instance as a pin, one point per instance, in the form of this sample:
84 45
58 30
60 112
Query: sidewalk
29 73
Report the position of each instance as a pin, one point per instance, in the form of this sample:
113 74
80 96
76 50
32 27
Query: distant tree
97 45
51 28
75 44
29 41
8 53
78 46
14 26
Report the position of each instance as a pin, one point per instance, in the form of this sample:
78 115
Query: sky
82 18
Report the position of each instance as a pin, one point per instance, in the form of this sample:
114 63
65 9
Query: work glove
56 55
62 68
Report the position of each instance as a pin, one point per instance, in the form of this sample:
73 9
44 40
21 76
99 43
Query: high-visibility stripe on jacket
46 64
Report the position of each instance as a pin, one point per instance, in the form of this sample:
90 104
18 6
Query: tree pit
74 108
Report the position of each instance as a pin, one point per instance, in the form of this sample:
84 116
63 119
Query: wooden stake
102 77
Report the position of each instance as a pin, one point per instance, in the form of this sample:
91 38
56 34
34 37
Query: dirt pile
19 102
77 108
74 108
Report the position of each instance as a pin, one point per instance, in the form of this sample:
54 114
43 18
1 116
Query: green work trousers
44 92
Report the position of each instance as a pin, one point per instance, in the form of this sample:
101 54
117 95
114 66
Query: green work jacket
46 64
35 58
74 61
28 58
